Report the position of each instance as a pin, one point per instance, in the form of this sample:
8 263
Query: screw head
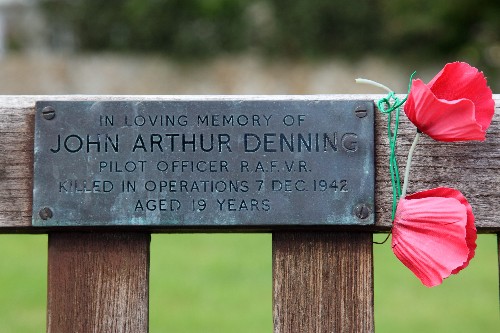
45 213
361 111
362 211
48 113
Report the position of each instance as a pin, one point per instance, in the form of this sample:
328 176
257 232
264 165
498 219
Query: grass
222 283
466 302
211 283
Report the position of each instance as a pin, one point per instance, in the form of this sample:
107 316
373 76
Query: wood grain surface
98 282
322 282
471 167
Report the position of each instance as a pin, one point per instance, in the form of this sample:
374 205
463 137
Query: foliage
179 27
440 27
318 27
198 28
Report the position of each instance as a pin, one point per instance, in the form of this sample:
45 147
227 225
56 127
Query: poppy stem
408 164
373 83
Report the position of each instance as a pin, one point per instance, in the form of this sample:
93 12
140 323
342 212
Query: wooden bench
110 267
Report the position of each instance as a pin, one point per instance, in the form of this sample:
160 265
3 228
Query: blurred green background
420 30
200 28
222 282
216 283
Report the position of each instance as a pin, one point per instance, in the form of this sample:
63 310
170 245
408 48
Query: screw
361 111
45 213
48 112
362 211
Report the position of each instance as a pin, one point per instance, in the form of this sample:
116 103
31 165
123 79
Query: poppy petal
459 80
429 237
470 228
442 120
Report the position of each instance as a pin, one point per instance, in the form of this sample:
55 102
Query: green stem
408 164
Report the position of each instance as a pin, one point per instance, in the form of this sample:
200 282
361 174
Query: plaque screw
362 211
48 112
361 111
45 213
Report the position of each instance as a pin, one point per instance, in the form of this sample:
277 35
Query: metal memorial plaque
213 162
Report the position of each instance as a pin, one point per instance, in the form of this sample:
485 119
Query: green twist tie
388 105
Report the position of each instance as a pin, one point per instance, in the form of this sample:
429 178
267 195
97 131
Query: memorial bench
99 242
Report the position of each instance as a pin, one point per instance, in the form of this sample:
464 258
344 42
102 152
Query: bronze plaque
214 162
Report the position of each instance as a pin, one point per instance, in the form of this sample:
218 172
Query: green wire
387 105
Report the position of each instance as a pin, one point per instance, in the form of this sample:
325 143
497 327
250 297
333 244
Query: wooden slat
322 282
471 167
98 282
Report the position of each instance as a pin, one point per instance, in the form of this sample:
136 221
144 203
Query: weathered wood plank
470 167
322 282
98 282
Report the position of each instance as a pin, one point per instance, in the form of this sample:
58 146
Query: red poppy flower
456 105
434 234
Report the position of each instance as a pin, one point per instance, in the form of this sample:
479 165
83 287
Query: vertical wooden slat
322 282
98 282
